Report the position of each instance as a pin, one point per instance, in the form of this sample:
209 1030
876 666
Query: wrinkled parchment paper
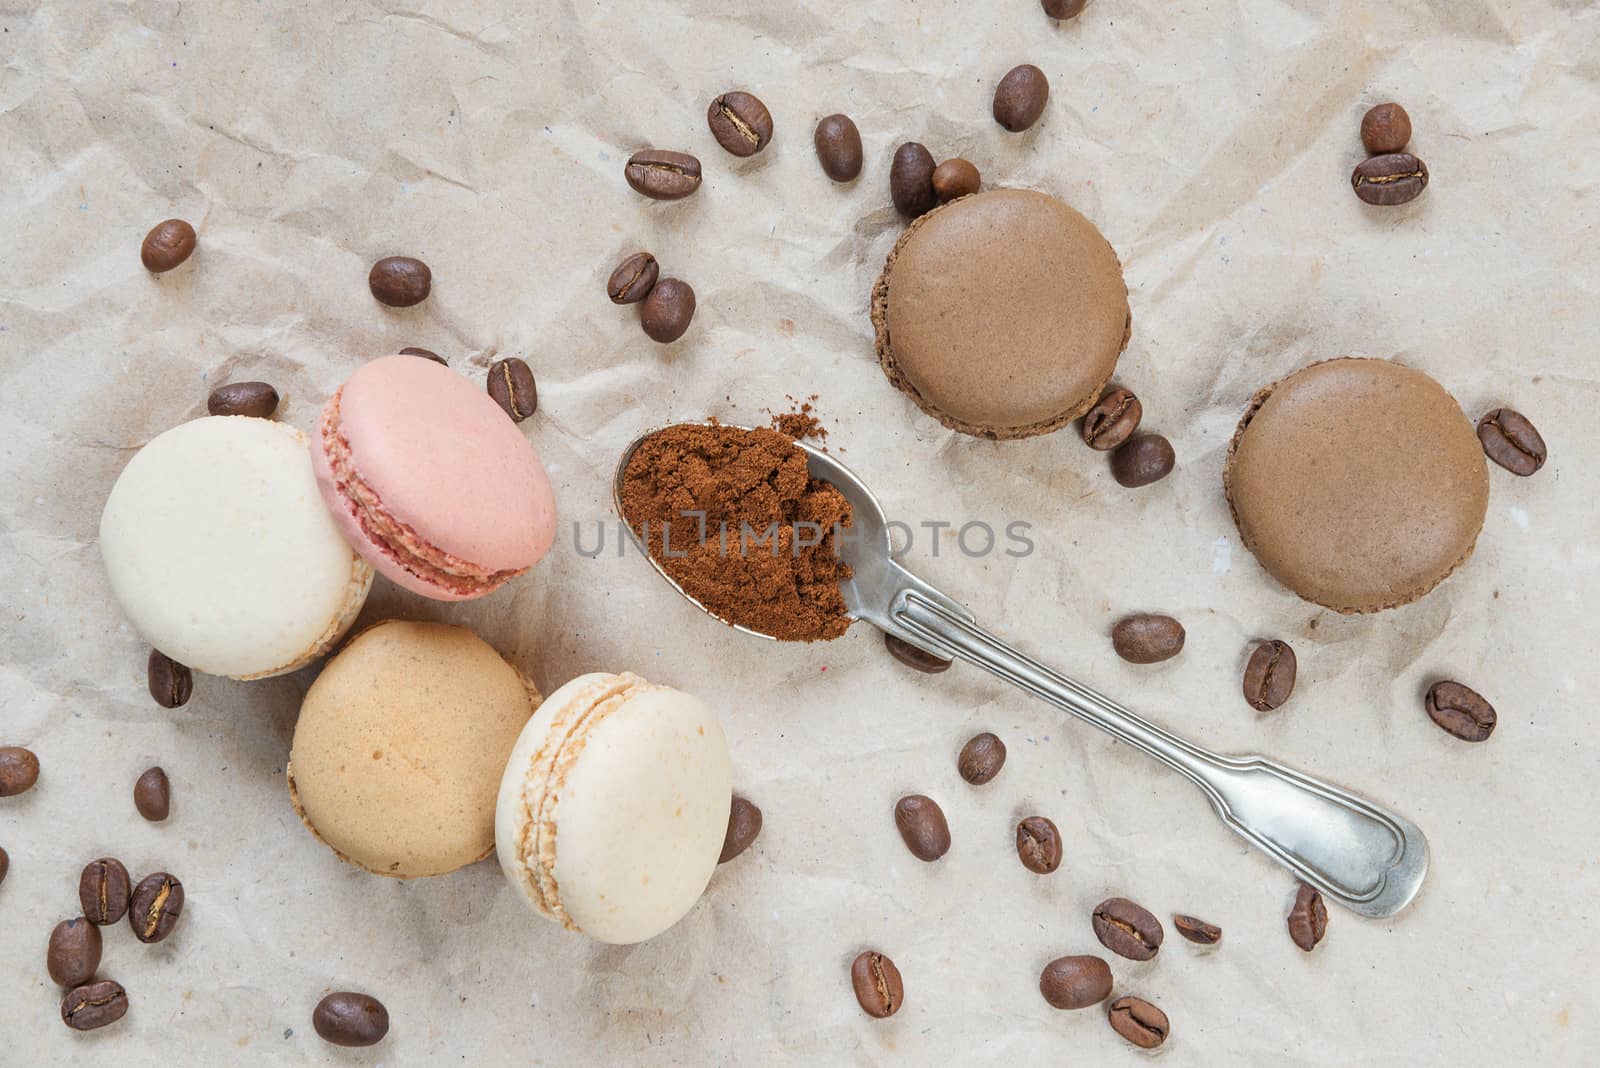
1211 142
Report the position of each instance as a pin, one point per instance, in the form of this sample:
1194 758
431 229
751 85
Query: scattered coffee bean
1390 179
1385 129
1269 675
1196 930
5 864
1141 460
1064 9
955 178
838 145
255 399
877 984
19 770
662 175
103 891
1075 982
400 281
740 123
666 313
981 758
1127 929
74 952
633 279
911 656
744 823
152 795
1138 1021
167 245
1511 441
1460 710
911 180
1020 98
1112 420
1147 638
157 903
94 1005
344 1018
511 385
1308 919
170 682
922 825
1039 845
426 354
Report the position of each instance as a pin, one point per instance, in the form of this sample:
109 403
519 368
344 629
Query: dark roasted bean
94 1005
981 758
511 384
1390 179
19 770
348 1019
667 312
167 245
255 399
744 823
1511 441
1308 919
1269 676
1020 97
1075 982
1460 710
1112 420
740 123
911 180
152 795
74 952
1385 129
1143 459
633 279
1138 1021
103 891
157 903
1196 930
171 684
1127 929
955 178
838 145
662 175
911 656
1039 845
426 354
921 823
400 281
877 984
1147 638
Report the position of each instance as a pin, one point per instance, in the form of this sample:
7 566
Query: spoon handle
1367 859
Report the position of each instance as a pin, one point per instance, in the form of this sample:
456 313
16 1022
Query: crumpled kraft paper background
1212 142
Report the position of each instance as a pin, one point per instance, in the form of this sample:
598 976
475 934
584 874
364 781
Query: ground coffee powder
763 554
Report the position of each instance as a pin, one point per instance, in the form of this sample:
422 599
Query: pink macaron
430 481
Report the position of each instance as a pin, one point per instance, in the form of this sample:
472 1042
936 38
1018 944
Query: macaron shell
400 745
218 546
640 816
448 463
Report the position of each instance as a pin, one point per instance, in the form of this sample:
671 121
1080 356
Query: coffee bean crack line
1110 420
657 165
1385 179
92 1003
739 124
1132 931
152 915
1262 700
882 983
511 391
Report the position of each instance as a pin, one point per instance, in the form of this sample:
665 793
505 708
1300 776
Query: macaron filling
398 541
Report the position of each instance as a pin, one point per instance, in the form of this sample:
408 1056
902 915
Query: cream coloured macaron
222 554
614 806
400 745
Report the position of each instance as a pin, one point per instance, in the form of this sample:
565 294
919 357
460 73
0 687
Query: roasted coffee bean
5 864
19 770
1138 1021
167 245
400 281
877 984
1020 98
1269 676
667 312
911 656
94 1005
1147 638
911 180
1196 930
921 823
662 175
1141 460
426 354
349 1019
1385 129
74 952
511 385
255 399
157 903
1127 929
838 145
1075 982
744 823
1393 178
1039 845
1308 919
981 758
1064 9
1112 420
170 682
1460 710
103 891
740 123
633 279
152 795
955 178
1511 441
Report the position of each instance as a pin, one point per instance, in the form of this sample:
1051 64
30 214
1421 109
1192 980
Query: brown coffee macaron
1001 314
1358 483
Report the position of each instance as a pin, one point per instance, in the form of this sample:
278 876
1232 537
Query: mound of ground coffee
733 517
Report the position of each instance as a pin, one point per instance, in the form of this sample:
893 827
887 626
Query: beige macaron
1002 314
400 745
1359 484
